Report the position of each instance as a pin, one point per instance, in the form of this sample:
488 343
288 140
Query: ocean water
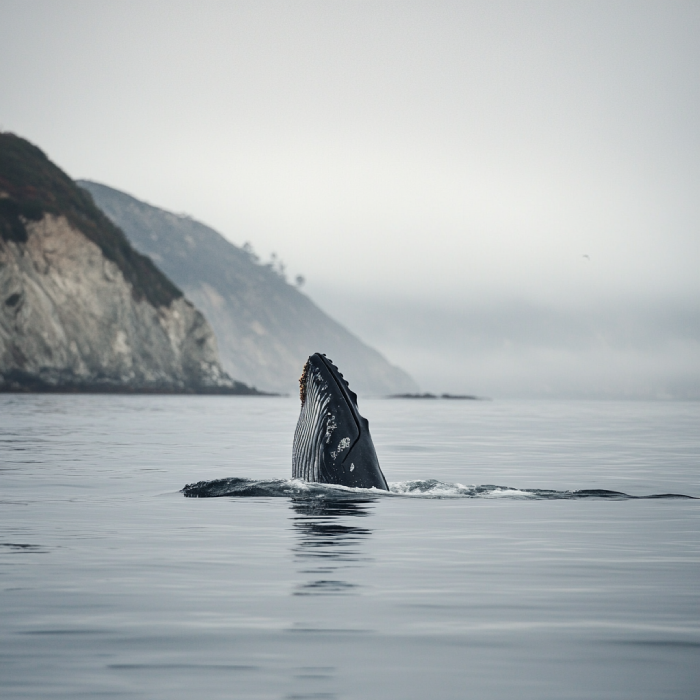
508 561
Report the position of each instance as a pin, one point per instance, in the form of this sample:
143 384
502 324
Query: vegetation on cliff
31 185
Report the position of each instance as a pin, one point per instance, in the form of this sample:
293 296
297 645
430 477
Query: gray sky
437 171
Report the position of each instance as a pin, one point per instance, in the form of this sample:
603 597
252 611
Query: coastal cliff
266 328
80 309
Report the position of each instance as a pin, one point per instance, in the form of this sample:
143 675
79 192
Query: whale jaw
332 442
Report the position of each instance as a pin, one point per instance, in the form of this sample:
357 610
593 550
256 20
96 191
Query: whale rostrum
332 442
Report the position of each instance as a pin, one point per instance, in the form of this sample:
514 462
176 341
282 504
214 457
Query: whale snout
332 442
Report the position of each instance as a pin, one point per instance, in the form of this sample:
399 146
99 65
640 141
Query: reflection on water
327 545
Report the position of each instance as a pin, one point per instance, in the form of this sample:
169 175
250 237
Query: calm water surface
113 584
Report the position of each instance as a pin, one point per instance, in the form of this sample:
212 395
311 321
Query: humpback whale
332 443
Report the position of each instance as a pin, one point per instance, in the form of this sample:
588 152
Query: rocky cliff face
80 309
266 328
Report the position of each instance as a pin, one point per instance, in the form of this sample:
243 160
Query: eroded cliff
79 308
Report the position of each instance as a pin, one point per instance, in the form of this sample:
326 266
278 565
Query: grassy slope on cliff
31 185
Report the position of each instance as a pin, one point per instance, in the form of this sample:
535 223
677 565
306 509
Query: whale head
332 442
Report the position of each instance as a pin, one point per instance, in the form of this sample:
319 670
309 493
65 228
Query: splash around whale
298 490
333 458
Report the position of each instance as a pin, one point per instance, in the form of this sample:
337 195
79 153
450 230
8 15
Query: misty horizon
499 197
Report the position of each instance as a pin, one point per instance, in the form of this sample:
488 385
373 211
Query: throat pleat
310 431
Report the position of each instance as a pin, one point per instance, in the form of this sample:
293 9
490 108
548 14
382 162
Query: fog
500 197
515 348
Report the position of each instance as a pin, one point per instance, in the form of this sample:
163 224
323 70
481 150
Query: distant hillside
265 327
80 309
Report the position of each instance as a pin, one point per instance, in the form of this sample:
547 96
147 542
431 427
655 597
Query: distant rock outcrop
80 309
266 328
